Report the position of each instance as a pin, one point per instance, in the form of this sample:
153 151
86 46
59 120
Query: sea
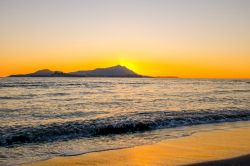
41 118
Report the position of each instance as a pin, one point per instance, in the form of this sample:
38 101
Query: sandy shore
237 161
198 148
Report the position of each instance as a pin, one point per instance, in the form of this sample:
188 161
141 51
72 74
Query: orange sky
185 38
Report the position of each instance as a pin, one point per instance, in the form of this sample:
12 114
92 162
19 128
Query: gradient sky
186 38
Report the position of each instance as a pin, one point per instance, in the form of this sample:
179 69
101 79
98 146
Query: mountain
115 71
44 73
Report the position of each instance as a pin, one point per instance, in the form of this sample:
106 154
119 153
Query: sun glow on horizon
127 63
191 39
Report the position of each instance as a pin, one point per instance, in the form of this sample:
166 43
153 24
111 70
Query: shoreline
198 149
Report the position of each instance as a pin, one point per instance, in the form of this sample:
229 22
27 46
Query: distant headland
114 71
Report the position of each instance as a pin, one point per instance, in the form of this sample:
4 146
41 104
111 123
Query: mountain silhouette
115 71
42 72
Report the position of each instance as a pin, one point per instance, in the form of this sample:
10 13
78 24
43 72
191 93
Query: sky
185 38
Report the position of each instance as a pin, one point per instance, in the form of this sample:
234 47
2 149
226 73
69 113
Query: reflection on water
55 116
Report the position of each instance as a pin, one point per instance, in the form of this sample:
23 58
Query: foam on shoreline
199 147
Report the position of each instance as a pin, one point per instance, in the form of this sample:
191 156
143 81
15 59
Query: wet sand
237 161
199 148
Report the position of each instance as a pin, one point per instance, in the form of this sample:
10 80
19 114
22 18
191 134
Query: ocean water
45 117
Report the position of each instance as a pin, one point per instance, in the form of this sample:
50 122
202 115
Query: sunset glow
189 39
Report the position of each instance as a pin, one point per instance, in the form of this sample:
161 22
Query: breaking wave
129 123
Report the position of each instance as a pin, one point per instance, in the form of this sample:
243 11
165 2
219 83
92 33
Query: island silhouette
114 71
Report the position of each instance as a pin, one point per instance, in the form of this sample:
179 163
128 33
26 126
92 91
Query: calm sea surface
45 117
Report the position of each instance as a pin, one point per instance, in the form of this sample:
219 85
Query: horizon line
148 76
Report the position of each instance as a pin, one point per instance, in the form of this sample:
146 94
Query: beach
197 149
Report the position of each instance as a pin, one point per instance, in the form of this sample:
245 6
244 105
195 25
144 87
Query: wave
63 84
19 97
57 94
129 123
7 110
8 98
241 90
41 84
48 85
68 115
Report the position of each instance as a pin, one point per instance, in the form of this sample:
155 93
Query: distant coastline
114 71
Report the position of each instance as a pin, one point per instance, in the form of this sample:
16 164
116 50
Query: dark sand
237 161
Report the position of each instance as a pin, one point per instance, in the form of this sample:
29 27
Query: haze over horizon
185 38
